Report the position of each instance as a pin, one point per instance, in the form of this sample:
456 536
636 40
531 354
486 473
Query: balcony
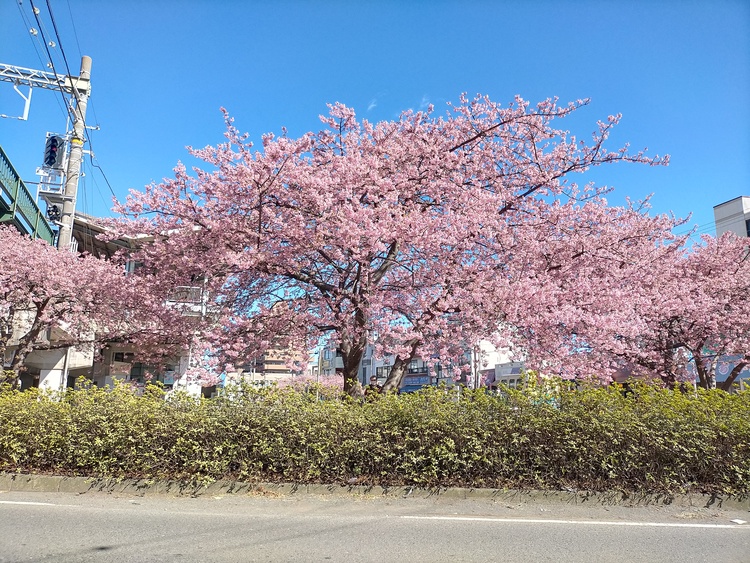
189 300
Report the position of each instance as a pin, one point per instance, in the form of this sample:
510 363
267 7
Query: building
269 368
733 216
481 365
58 368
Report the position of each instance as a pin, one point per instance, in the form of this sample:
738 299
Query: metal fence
17 206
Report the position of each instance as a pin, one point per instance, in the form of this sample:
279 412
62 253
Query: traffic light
53 213
54 152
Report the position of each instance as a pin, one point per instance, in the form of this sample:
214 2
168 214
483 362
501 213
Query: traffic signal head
53 213
54 152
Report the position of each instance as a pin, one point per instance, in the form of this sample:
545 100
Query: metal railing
17 206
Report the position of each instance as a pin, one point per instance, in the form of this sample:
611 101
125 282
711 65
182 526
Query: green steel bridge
17 206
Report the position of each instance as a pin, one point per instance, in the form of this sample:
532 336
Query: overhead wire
698 229
92 105
30 29
59 44
73 25
101 171
75 94
98 191
35 11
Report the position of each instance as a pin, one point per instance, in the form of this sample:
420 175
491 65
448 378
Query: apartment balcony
190 301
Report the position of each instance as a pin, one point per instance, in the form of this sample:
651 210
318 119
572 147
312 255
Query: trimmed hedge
654 440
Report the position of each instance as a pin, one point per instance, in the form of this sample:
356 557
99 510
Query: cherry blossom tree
690 308
418 236
83 299
592 299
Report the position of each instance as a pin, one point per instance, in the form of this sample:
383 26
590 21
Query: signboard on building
417 380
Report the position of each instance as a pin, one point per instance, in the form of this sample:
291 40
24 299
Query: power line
705 228
99 192
35 11
92 104
95 165
75 33
60 45
30 30
32 33
75 93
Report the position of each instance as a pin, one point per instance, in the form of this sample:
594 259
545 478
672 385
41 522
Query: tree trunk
6 333
24 348
351 355
700 368
398 370
668 376
352 361
396 375
727 385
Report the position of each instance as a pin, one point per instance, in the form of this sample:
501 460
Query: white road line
30 503
578 522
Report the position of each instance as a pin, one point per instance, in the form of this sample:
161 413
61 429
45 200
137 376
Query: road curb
23 482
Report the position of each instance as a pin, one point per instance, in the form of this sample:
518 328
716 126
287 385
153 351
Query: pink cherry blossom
417 236
86 300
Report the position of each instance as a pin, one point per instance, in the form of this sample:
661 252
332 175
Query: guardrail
17 206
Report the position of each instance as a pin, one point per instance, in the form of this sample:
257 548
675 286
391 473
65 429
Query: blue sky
678 71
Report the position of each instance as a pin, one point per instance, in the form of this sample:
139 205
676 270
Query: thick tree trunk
24 348
398 370
727 385
352 361
352 351
396 375
6 333
700 368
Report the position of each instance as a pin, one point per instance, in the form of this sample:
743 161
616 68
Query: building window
132 265
122 357
417 366
140 372
383 371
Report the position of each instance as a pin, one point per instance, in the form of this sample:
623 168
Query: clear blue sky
678 71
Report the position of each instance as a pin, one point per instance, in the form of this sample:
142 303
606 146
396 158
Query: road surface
118 528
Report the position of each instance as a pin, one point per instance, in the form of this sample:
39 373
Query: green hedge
654 440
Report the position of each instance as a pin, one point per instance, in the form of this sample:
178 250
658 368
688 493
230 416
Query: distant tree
81 299
417 236
600 303
690 308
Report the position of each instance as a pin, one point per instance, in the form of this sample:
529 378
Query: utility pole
80 88
75 156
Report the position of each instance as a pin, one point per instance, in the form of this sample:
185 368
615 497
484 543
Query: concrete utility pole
80 88
75 156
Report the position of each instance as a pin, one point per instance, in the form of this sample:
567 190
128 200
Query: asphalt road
69 527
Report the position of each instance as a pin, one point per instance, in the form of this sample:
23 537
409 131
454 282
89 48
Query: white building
733 216
483 365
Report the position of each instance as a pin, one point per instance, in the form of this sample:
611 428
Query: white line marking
30 503
578 522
